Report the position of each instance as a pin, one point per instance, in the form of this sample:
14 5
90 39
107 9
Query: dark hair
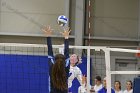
130 83
59 79
98 78
119 84
77 60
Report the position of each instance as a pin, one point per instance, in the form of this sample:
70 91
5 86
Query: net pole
88 70
108 74
88 50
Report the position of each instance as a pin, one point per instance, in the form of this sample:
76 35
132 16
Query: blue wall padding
23 74
136 85
28 74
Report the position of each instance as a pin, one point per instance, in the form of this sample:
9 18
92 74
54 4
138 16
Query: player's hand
84 79
47 30
66 32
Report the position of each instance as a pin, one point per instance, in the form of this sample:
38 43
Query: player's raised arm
66 33
48 32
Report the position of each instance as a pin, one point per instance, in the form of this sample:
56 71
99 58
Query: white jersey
75 72
126 91
82 89
118 91
97 88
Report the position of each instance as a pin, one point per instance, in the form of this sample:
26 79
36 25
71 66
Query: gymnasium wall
115 18
110 19
21 17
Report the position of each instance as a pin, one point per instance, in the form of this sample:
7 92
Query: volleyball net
24 67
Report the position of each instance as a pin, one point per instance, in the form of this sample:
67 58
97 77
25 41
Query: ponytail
59 79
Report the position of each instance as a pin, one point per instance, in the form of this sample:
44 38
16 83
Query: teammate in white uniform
117 87
98 84
128 87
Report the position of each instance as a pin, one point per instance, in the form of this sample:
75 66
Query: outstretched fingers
47 30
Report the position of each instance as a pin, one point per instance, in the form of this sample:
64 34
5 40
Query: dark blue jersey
51 62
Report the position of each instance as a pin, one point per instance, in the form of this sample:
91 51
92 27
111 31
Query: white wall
115 18
44 12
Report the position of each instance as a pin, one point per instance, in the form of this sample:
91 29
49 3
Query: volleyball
62 20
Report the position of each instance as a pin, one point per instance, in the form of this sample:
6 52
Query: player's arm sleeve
50 51
66 51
